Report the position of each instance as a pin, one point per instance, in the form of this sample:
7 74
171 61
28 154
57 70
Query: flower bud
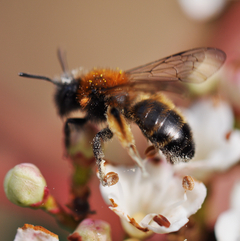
24 185
89 230
30 232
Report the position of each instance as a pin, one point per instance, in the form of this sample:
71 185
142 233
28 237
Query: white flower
34 233
217 143
157 203
227 227
202 10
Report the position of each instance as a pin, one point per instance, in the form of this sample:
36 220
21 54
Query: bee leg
119 126
104 135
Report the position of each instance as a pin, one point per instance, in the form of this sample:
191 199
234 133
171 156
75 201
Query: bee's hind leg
119 126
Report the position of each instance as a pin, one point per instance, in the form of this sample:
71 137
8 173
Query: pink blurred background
107 33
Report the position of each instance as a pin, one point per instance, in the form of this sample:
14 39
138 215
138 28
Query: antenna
33 76
62 60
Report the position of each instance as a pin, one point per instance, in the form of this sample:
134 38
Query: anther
188 183
161 221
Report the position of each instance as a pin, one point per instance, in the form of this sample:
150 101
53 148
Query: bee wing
192 66
147 86
168 74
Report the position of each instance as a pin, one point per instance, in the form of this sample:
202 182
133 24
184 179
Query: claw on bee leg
101 172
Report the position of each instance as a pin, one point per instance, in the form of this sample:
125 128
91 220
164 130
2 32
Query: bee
119 98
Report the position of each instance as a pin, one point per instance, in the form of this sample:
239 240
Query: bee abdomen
166 129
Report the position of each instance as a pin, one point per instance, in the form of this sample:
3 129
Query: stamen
135 224
111 178
162 221
188 183
113 203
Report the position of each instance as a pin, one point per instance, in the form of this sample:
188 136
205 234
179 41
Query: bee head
66 88
65 96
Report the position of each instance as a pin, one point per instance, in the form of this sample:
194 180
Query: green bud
24 185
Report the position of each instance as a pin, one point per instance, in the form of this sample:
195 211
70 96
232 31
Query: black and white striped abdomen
165 128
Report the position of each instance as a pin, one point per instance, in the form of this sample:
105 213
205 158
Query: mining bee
118 98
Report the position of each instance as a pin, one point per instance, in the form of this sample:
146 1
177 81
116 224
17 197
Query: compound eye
66 98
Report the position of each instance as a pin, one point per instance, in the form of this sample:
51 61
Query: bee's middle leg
119 126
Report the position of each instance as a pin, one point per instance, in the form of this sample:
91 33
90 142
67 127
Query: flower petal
227 226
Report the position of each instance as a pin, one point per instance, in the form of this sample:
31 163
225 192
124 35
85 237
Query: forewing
168 74
147 86
193 66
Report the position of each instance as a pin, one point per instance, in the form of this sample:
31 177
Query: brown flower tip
111 178
39 228
113 202
188 183
135 224
228 134
162 221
